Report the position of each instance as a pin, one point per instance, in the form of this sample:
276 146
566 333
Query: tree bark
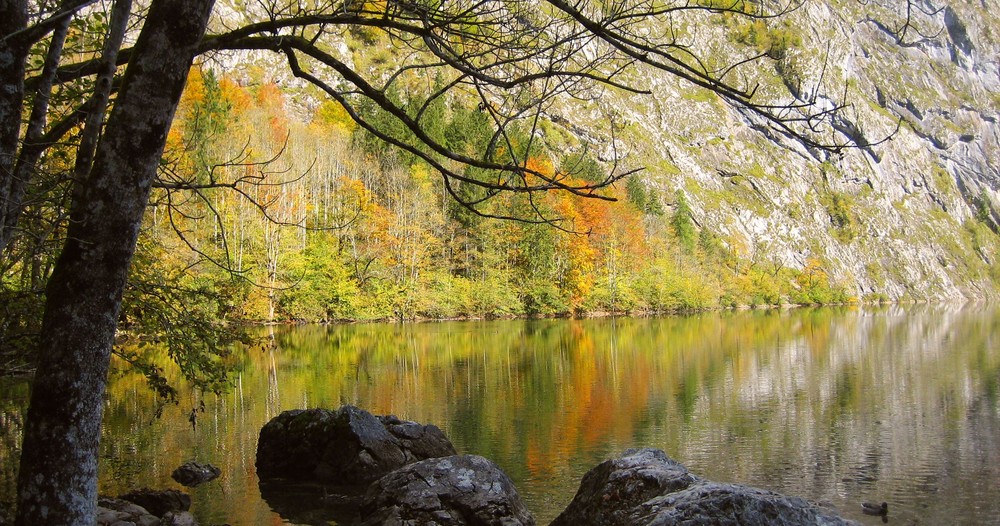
102 89
57 481
34 145
13 53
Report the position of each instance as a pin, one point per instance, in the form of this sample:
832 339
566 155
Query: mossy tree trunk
57 481
13 54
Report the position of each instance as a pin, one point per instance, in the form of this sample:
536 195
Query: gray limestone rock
159 503
178 518
118 512
451 491
348 446
645 487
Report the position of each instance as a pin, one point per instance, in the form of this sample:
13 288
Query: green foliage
643 197
636 192
400 248
839 206
467 192
20 324
984 206
875 298
325 289
544 297
584 167
385 123
768 38
813 286
205 119
469 131
181 313
682 223
444 295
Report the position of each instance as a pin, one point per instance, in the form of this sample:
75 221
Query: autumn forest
269 212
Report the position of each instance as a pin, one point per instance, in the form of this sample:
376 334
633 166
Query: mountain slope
909 218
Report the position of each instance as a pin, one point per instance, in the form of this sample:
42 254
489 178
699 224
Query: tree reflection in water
836 405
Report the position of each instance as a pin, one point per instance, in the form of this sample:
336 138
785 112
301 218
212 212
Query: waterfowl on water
875 509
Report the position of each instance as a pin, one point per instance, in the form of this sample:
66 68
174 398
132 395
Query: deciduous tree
57 480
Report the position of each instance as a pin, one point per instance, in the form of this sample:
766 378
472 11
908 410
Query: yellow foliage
332 117
812 275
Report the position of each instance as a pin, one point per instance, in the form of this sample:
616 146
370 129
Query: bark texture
33 147
13 52
57 482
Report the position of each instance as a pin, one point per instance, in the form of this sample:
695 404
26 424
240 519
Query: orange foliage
271 100
541 166
235 95
194 93
194 90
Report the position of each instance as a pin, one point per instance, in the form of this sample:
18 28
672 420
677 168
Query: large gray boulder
120 512
645 487
159 503
346 447
462 490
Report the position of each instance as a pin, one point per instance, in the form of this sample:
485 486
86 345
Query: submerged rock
348 446
451 491
191 474
645 487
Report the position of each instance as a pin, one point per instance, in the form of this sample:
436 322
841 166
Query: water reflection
834 405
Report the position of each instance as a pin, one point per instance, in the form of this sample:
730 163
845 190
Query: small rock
451 491
178 518
191 474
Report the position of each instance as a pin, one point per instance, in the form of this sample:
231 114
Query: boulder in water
346 447
191 474
645 487
461 490
159 502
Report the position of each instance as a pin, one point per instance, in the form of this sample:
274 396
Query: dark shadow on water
312 503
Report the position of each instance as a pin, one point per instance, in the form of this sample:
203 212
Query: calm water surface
839 406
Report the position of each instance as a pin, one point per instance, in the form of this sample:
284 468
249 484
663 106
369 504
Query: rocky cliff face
913 217
912 212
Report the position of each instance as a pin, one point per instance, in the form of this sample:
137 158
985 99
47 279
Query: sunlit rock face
451 491
645 487
906 212
348 446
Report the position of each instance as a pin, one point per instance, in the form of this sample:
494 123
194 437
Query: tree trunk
13 18
33 146
102 88
57 482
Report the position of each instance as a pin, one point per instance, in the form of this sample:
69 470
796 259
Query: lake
836 405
